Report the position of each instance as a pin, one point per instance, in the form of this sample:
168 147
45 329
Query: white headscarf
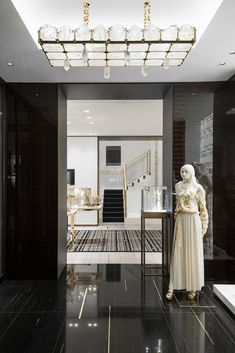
190 169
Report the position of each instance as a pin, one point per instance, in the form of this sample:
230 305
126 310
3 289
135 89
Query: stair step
113 202
108 192
112 209
113 205
113 197
113 220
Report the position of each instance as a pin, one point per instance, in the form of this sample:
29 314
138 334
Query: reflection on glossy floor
109 308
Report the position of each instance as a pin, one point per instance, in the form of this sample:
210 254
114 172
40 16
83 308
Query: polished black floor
110 309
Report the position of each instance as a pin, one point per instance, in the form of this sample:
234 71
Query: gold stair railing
146 157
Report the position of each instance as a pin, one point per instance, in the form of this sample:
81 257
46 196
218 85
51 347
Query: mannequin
191 222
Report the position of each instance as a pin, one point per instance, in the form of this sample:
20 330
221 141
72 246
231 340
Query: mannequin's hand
204 231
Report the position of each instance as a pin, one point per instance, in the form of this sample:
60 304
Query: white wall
83 157
112 176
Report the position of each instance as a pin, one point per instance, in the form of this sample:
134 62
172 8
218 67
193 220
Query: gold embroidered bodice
191 200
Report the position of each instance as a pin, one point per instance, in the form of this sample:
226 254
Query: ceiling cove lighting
116 46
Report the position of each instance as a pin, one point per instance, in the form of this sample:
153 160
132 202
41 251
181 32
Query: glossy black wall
168 161
224 179
208 140
33 235
2 177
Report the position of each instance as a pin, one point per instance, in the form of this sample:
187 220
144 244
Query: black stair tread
112 214
111 196
107 207
113 205
113 201
113 211
113 219
118 214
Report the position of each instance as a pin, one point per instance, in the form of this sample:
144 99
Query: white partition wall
83 157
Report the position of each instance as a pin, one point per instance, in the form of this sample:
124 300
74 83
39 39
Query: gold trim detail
86 6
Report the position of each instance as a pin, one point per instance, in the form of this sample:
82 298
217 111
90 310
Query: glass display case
154 204
154 198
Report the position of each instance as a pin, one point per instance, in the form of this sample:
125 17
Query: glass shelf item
154 198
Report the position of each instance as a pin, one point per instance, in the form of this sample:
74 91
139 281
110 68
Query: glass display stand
154 202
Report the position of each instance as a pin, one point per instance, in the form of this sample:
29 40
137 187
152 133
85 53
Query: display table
163 215
89 208
71 213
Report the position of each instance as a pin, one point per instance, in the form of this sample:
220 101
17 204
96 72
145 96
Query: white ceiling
114 118
109 12
202 64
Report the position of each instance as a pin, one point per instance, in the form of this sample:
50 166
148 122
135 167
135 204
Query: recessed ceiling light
193 94
89 117
222 63
91 122
10 64
86 111
68 122
232 52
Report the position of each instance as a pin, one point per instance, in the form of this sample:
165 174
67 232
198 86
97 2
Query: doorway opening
114 151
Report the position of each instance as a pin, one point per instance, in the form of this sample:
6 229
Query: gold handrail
138 158
147 156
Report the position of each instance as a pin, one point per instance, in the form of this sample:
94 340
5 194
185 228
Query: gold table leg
72 231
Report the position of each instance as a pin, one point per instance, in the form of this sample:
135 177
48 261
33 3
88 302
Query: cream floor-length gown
187 261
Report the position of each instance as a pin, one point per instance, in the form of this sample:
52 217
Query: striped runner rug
114 240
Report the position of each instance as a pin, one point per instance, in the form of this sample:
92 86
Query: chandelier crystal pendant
117 45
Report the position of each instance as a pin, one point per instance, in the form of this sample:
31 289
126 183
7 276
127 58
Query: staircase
113 206
139 181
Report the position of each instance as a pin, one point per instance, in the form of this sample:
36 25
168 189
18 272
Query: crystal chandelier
116 46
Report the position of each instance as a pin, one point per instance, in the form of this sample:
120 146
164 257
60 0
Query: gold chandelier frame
84 48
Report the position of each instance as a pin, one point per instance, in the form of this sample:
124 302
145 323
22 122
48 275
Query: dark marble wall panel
32 202
224 178
62 180
167 139
178 147
193 106
206 109
168 160
2 176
